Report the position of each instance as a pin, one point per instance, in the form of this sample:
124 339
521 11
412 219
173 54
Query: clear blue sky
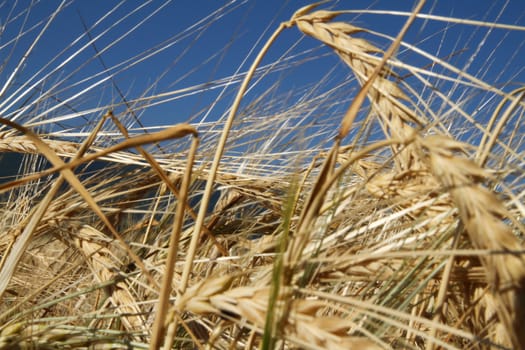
218 47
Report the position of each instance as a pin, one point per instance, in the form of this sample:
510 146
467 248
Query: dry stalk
489 138
199 223
165 292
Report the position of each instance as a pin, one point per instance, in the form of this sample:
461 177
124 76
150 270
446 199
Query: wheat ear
482 215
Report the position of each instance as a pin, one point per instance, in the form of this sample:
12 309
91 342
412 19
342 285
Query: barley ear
482 215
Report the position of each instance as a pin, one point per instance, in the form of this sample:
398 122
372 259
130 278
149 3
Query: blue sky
223 39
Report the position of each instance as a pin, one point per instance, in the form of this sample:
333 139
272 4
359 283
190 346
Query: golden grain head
382 213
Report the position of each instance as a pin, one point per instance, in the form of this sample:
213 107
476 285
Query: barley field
347 186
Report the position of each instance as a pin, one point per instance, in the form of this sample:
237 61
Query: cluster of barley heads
395 222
